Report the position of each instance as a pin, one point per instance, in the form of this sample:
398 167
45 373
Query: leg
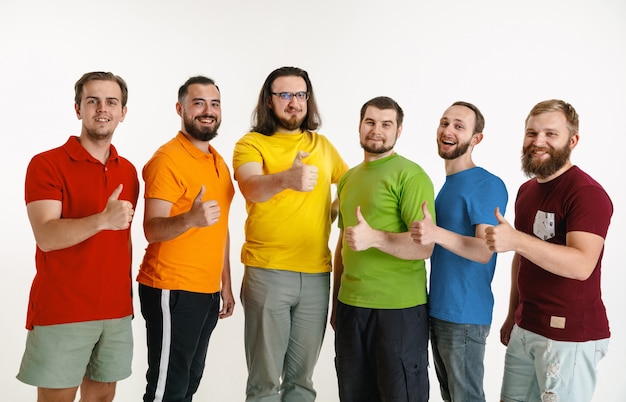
94 391
459 351
399 344
308 325
175 323
440 367
519 382
355 370
56 395
267 297
199 357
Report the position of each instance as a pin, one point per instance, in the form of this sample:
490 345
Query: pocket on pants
416 377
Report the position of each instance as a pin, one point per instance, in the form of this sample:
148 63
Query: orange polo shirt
194 260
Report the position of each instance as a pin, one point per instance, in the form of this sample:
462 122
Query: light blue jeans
285 321
458 354
539 369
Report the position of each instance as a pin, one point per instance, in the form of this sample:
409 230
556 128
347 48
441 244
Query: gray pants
285 321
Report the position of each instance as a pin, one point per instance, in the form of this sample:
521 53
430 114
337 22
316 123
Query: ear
179 109
77 110
399 131
573 141
124 110
476 138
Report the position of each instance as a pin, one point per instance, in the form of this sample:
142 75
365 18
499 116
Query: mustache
207 116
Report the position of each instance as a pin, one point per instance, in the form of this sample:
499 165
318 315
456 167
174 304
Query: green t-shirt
390 192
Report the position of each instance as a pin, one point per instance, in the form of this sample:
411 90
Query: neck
201 145
98 148
458 165
370 157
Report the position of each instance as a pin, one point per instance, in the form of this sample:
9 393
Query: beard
461 149
378 150
542 169
97 135
290 124
199 132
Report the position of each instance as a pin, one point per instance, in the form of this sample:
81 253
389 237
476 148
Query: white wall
502 56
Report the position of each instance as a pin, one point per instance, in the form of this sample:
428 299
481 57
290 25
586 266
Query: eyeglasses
288 96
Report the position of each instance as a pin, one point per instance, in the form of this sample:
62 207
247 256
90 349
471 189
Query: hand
362 236
118 214
228 303
500 238
205 213
302 177
505 331
423 232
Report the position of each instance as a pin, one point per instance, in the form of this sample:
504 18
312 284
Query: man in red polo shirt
80 200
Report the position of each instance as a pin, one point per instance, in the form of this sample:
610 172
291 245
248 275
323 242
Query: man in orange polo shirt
186 268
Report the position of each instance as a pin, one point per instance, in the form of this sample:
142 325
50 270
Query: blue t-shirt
460 289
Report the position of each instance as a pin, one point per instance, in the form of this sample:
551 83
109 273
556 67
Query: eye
286 96
460 127
302 95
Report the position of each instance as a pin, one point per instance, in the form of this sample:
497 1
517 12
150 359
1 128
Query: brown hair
264 120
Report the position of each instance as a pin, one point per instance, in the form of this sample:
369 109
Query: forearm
226 279
159 229
263 187
402 246
469 247
575 260
57 234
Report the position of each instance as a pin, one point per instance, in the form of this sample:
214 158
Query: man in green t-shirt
379 296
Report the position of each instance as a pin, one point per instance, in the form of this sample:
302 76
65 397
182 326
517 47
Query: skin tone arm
475 248
258 187
507 327
337 272
400 245
228 301
55 233
575 260
159 226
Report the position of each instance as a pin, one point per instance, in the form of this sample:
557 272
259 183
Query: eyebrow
206 99
107 98
374 120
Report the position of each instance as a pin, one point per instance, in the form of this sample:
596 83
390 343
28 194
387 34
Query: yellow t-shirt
291 230
194 260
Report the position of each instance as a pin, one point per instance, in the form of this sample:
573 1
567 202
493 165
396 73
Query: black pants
178 327
382 355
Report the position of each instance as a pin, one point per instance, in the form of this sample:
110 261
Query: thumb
499 216
116 193
425 211
200 195
301 154
359 216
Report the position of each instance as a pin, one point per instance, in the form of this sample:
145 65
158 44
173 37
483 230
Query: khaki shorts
59 356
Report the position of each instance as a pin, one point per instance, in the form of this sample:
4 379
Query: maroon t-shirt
550 305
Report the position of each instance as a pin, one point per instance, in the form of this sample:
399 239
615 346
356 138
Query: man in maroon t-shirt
556 329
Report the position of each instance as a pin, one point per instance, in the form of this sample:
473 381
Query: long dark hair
264 120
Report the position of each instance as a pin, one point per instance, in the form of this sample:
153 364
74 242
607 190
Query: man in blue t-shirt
462 266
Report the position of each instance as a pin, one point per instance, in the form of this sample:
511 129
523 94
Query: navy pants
382 355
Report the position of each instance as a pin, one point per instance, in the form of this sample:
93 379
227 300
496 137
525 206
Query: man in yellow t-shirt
186 268
285 170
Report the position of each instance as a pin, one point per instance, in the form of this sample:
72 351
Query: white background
503 56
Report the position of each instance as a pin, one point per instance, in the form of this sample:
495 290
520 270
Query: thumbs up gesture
118 213
500 238
302 177
423 232
361 236
205 213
